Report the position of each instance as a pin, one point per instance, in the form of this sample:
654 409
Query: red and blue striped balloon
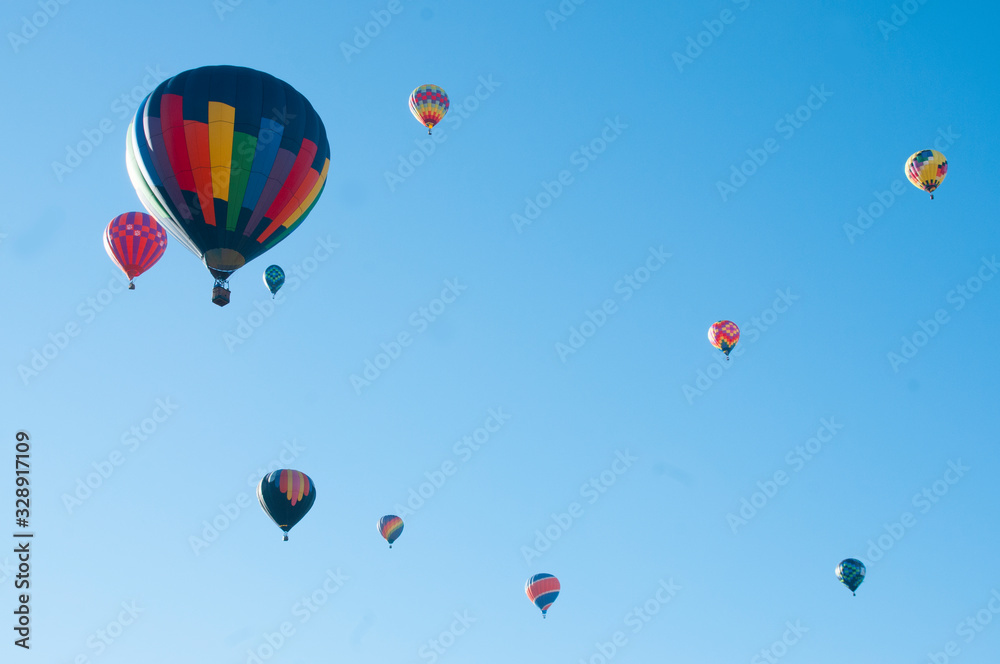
542 589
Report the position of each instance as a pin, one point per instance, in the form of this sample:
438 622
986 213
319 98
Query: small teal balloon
274 277
851 573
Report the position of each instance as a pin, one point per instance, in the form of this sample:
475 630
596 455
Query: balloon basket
220 296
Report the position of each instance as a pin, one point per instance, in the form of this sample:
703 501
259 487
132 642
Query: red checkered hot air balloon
723 335
134 241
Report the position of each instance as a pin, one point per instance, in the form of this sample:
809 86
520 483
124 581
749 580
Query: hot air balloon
851 573
286 496
429 103
391 527
134 241
926 170
542 589
723 335
274 277
230 160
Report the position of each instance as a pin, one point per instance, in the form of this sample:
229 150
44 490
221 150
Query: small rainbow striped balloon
926 170
723 335
542 589
429 103
391 527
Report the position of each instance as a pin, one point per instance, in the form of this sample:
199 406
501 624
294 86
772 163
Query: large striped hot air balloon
926 170
429 103
542 589
230 160
724 335
286 496
134 241
391 527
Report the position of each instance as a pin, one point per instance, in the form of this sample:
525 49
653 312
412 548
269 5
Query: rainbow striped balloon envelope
542 589
134 241
724 335
286 496
926 170
230 160
391 527
429 103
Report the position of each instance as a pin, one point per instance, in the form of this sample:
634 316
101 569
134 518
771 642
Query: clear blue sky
815 355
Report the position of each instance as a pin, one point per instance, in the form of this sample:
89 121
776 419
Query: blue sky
620 467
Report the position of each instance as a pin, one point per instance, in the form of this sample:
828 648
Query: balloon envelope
926 170
274 277
391 527
134 241
230 160
851 572
429 103
286 496
723 335
542 589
